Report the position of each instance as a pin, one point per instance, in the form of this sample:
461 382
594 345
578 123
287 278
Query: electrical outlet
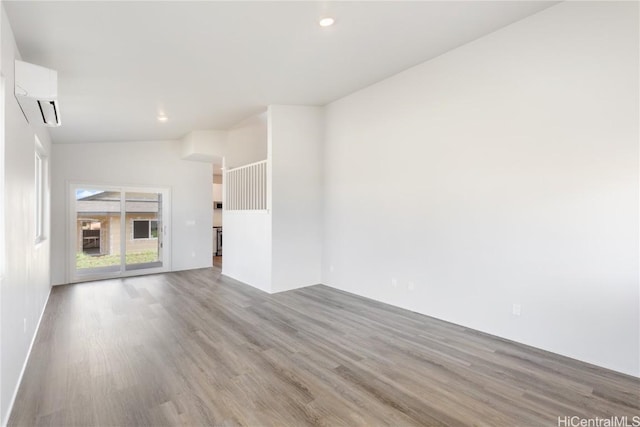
331 268
394 282
516 309
411 286
193 254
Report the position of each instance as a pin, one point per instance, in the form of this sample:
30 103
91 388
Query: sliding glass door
117 231
143 217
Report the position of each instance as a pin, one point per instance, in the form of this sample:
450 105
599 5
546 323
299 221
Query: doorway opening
217 214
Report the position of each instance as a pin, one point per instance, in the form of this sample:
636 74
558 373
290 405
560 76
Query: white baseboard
26 361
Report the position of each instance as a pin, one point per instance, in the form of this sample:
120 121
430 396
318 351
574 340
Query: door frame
72 274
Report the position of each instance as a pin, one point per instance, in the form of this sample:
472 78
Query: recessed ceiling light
162 118
326 22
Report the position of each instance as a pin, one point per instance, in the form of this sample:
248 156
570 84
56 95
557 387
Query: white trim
41 190
123 233
246 166
2 230
2 189
26 361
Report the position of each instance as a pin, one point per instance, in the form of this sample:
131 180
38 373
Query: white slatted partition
247 187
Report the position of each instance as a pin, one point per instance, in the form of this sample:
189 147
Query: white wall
25 282
246 247
246 142
505 171
295 153
280 248
152 163
203 145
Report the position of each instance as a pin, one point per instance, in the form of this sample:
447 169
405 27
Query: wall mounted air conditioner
37 93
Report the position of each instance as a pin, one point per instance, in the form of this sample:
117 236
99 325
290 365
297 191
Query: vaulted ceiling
208 65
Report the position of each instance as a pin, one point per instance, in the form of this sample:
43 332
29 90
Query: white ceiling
208 65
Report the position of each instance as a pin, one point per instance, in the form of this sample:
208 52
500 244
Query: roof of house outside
107 202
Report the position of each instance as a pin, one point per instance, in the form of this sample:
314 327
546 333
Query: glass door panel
97 231
143 219
117 231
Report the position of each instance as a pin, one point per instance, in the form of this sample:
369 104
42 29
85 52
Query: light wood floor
195 348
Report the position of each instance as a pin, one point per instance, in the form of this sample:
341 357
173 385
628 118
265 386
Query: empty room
337 213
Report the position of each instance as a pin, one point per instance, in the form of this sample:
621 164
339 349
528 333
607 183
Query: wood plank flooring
196 348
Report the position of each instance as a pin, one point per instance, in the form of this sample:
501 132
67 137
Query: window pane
140 229
143 211
97 231
38 180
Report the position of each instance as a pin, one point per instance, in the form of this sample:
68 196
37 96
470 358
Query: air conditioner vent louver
49 113
36 89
